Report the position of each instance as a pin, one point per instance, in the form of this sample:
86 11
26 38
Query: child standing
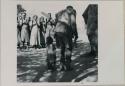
51 53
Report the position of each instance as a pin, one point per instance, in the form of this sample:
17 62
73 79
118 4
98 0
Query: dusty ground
31 66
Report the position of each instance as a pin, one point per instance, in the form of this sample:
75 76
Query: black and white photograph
57 44
62 43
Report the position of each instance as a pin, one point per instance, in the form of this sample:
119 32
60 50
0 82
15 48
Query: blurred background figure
35 33
25 31
19 27
49 27
42 31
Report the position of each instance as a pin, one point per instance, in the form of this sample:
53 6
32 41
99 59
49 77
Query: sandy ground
31 66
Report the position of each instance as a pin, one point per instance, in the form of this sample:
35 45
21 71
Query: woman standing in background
35 33
49 27
19 27
42 31
25 32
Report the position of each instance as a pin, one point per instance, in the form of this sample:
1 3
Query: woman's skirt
25 34
42 39
35 36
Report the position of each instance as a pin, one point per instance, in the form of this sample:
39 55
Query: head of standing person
41 19
19 19
18 16
49 17
69 9
35 20
53 22
35 17
29 18
24 15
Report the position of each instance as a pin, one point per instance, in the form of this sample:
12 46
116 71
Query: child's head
49 40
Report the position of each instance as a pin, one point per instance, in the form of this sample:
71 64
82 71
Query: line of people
33 32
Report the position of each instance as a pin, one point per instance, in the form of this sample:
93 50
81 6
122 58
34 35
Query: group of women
32 32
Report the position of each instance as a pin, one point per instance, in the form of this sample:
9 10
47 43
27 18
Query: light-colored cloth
49 32
35 36
25 34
